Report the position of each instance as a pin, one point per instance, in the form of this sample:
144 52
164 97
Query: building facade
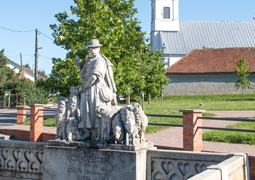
177 38
209 71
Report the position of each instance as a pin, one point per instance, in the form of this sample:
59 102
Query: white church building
177 38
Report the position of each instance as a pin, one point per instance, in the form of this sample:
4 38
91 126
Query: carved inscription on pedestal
85 164
92 166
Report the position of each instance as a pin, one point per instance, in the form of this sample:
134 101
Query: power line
45 35
8 51
12 30
27 54
29 59
45 56
16 57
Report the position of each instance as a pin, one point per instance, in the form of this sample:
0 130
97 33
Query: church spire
164 15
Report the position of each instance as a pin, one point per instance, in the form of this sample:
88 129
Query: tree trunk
128 99
149 100
162 99
242 94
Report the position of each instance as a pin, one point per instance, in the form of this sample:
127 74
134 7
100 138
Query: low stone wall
170 164
24 160
21 160
230 169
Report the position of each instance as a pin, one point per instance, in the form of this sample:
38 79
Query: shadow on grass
240 99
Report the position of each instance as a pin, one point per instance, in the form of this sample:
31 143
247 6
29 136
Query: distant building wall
170 60
205 84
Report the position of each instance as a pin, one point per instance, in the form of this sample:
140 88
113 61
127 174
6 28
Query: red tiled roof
39 76
212 60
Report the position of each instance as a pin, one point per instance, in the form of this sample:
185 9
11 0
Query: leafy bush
34 95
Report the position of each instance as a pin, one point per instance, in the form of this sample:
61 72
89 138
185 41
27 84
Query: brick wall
24 135
252 167
18 134
48 136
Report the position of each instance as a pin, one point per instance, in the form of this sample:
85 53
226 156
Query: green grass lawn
172 105
233 136
46 122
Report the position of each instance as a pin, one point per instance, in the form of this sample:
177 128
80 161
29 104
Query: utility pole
36 53
22 69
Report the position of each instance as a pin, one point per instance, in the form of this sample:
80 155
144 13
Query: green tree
27 66
64 75
112 22
34 95
11 82
152 74
7 76
43 73
243 70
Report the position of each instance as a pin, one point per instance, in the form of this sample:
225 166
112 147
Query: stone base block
66 163
101 145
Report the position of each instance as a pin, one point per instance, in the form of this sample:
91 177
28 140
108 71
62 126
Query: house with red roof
176 37
29 74
208 71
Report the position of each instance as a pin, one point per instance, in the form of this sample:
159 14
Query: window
166 12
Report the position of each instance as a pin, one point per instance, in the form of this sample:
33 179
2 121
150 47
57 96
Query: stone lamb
128 120
118 129
141 121
60 117
106 113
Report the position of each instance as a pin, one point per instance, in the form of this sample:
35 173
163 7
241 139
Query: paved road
7 120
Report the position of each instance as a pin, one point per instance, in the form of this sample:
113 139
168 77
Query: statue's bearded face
94 51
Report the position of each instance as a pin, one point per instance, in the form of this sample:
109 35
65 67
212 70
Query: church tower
164 17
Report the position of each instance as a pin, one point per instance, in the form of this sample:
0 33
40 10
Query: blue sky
27 15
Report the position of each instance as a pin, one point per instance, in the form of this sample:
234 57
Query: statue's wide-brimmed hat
94 43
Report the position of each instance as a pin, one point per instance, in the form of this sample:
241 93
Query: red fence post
21 110
36 122
192 136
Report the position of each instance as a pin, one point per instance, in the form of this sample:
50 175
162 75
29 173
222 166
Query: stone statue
123 125
98 88
92 114
73 117
60 117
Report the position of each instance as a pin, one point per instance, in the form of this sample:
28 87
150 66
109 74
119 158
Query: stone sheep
128 121
118 129
141 121
106 114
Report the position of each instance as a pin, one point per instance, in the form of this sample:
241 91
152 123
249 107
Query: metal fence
157 115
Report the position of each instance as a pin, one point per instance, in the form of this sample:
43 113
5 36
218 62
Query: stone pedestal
66 163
